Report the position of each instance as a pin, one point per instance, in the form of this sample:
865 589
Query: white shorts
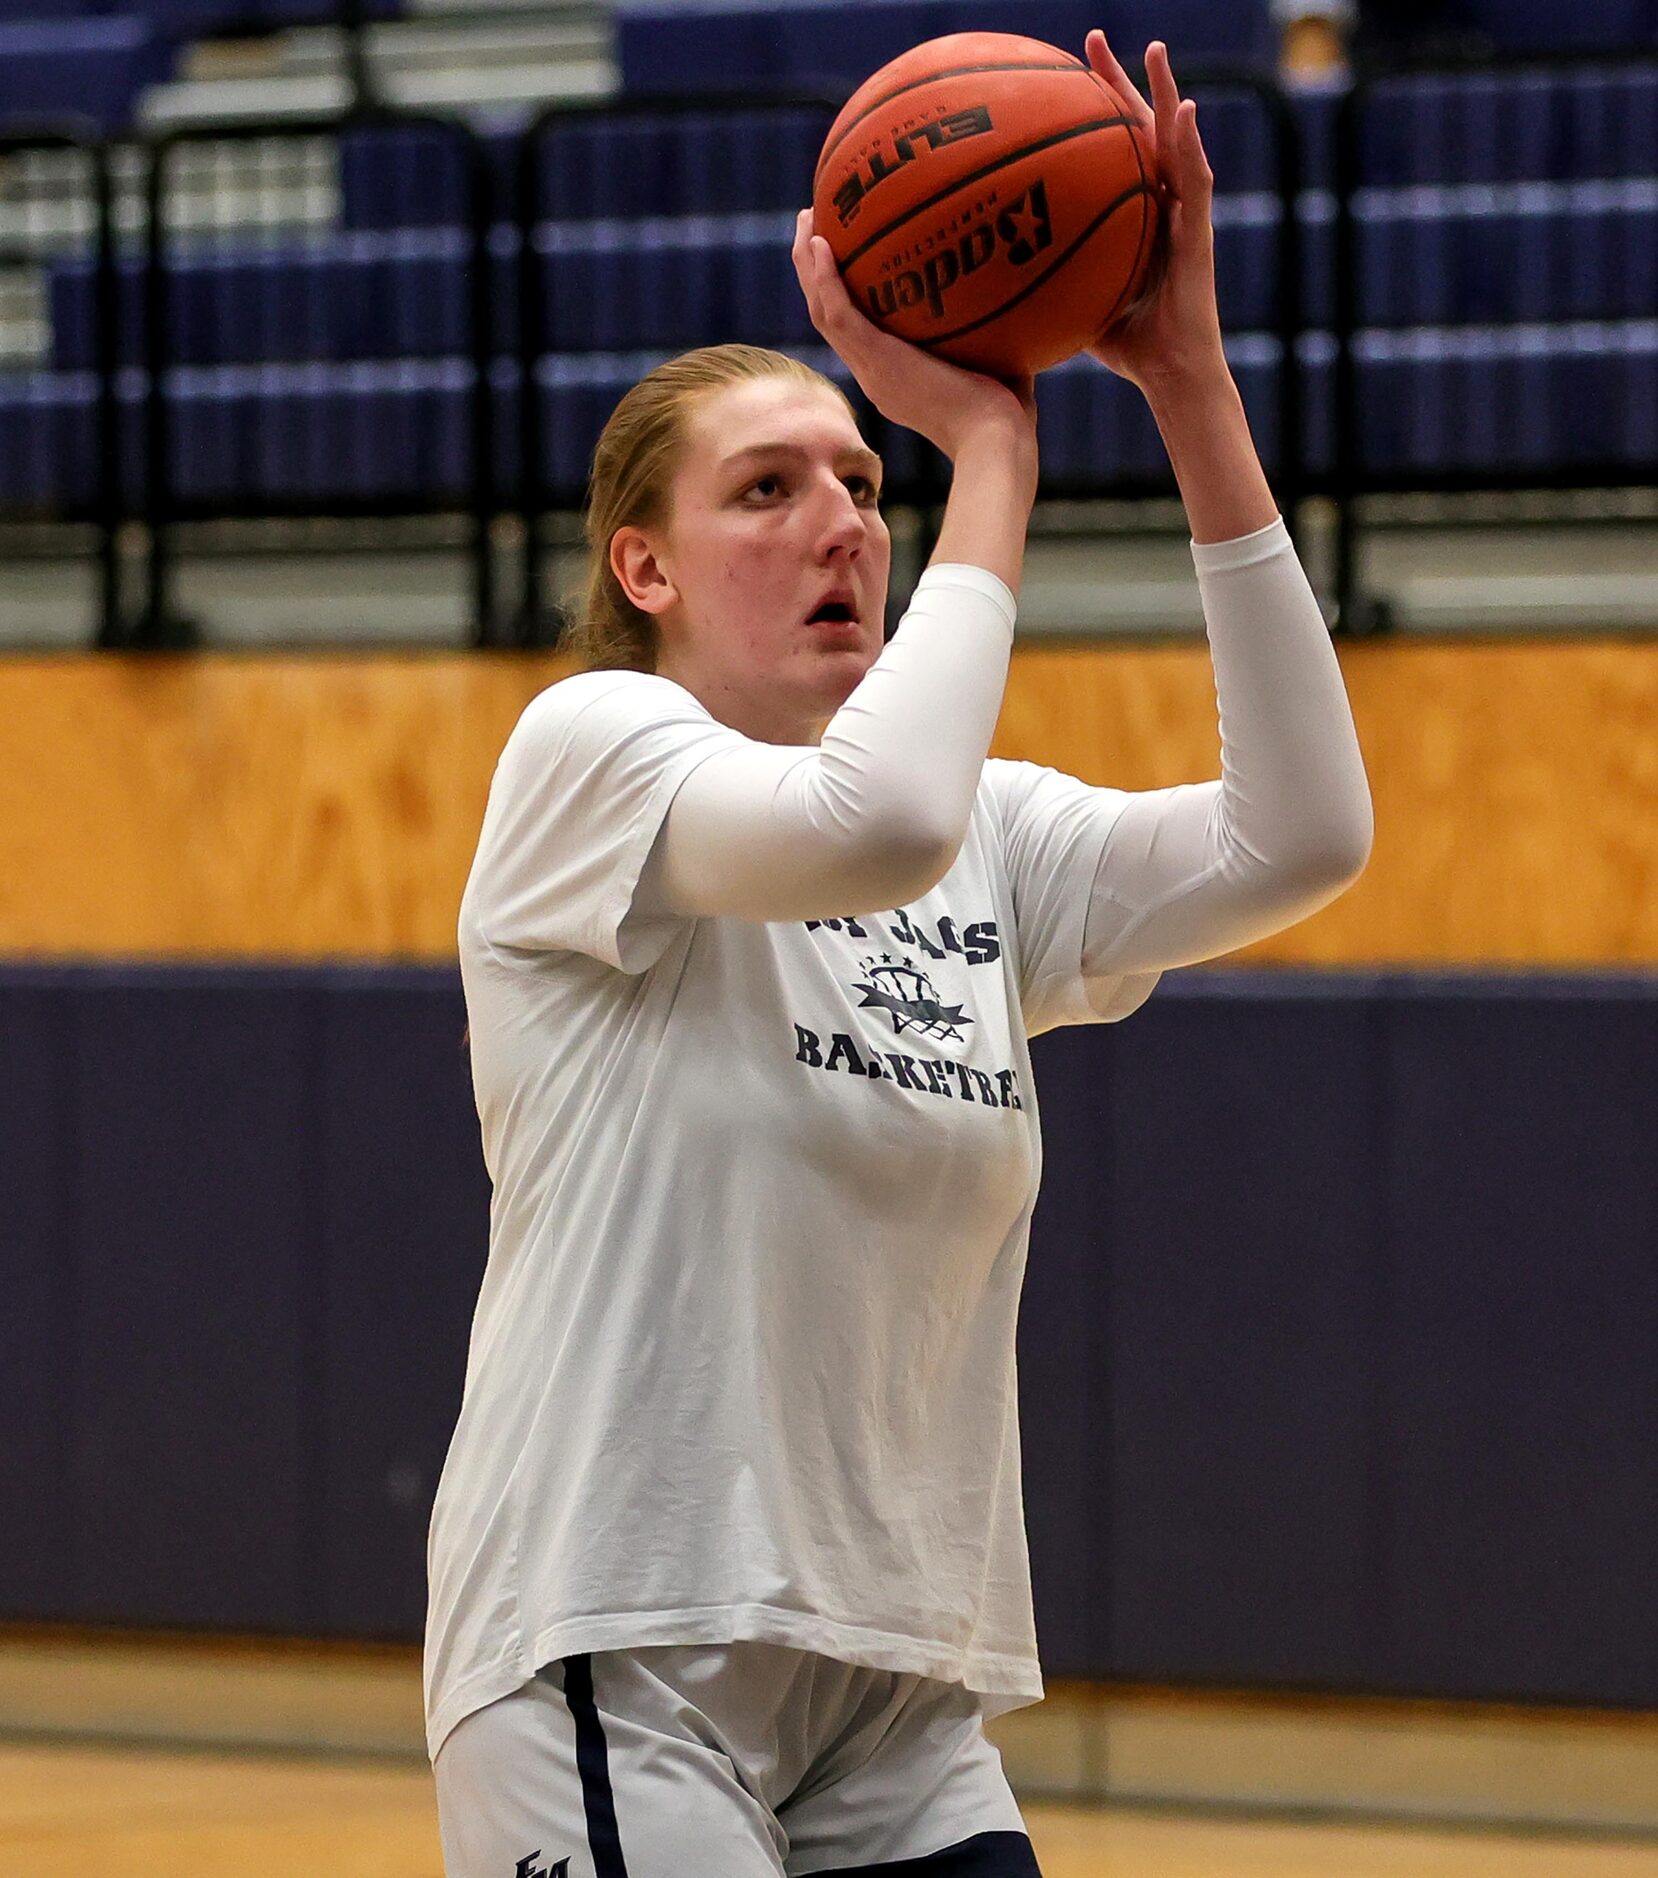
731 1760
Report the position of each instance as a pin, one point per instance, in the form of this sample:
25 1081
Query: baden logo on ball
1022 230
987 196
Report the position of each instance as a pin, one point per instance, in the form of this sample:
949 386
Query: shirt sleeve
622 808
875 814
579 795
1193 872
1113 887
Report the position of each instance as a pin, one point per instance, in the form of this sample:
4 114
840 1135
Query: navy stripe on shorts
593 1765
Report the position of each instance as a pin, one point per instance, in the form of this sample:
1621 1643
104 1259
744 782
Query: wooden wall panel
308 807
216 805
1516 788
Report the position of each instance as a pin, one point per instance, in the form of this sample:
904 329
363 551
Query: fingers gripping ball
986 196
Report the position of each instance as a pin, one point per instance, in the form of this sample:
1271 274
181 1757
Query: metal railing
160 624
505 215
1355 472
101 503
539 621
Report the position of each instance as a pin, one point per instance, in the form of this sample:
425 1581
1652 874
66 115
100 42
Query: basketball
987 197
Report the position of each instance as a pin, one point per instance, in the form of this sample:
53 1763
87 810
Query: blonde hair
633 471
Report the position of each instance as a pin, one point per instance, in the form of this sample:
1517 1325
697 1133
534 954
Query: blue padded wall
403 1203
1238 1336
1338 1345
194 1186
1520 1330
1065 1387
244 1220
1343 1324
37 1213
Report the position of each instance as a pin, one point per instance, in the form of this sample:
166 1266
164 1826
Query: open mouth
833 612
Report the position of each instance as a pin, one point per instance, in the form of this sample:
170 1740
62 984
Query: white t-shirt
743 1362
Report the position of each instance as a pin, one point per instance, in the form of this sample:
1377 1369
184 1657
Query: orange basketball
985 196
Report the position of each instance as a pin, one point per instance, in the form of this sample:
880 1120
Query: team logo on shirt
910 999
893 982
527 1868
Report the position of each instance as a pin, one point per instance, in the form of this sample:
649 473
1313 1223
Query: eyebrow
858 455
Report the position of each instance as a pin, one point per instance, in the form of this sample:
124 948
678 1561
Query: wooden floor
72 1812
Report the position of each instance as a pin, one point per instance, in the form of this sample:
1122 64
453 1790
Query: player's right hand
951 407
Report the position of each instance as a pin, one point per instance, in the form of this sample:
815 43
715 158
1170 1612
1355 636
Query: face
768 575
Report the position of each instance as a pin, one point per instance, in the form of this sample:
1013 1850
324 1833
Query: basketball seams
1005 161
1138 191
1134 277
1147 223
932 78
1046 311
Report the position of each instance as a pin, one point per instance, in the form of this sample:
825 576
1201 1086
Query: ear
643 578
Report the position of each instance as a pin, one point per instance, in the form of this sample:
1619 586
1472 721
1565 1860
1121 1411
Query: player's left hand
1173 334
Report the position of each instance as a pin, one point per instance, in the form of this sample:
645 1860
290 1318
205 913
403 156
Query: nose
841 531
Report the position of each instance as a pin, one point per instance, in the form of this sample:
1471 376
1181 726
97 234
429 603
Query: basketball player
728 1561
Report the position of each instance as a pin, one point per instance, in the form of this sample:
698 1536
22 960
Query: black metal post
1289 284
1344 391
106 363
158 627
481 302
158 624
104 507
531 627
1291 308
359 78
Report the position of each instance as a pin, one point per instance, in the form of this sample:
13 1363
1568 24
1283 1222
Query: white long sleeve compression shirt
874 816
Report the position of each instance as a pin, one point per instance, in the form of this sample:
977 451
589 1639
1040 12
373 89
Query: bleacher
321 349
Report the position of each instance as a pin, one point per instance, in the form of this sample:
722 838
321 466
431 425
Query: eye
864 489
765 488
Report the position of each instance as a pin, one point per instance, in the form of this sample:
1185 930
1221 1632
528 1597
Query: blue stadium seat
399 294
606 286
48 431
1235 32
1525 126
1525 253
640 286
1092 425
1246 260
79 68
1509 400
1476 402
592 168
578 393
412 176
201 19
690 164
37 12
666 49
1238 141
1609 123
1097 428
1549 26
275 436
